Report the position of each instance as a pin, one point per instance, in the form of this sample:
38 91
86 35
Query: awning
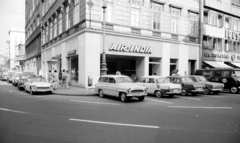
217 64
236 64
53 60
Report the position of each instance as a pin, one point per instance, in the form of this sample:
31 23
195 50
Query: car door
112 87
142 82
103 84
151 85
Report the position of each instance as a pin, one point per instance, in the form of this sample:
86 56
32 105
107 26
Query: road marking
118 124
200 107
95 102
215 96
24 93
9 110
190 98
159 101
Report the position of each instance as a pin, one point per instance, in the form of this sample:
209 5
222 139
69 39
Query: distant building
221 33
16 37
33 36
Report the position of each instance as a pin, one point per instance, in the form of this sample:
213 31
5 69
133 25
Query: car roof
153 76
114 76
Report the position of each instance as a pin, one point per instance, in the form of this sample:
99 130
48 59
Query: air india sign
132 48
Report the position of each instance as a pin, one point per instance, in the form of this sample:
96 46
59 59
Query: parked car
188 85
209 86
10 76
119 86
159 86
37 84
4 76
229 77
16 78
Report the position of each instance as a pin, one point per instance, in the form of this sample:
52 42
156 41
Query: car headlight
129 90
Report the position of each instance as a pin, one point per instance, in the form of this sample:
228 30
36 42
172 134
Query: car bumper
43 90
198 90
136 94
216 90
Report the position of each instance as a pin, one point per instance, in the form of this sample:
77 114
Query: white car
159 86
119 86
37 84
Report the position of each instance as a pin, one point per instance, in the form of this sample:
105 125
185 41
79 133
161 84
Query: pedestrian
176 72
50 76
67 79
133 77
55 80
60 78
64 76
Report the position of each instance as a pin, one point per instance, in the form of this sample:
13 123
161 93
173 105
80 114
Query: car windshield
37 79
200 78
186 79
163 80
123 79
237 73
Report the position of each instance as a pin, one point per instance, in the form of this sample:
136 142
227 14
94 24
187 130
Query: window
234 47
43 36
47 33
215 19
205 42
238 25
157 16
136 13
206 17
60 24
103 79
37 21
55 27
109 11
193 24
175 13
238 47
227 22
234 24
143 80
227 45
226 74
236 2
111 80
76 12
151 80
67 18
51 30
217 73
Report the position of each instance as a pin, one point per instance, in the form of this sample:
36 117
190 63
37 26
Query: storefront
127 54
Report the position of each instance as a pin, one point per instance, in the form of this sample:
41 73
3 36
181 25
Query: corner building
221 33
143 37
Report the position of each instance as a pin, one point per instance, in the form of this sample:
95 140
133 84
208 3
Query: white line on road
94 102
199 107
190 98
159 101
118 124
214 96
9 110
24 93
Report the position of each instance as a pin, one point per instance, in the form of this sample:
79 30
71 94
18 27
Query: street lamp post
90 5
104 64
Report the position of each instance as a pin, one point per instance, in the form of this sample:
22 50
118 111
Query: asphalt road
45 118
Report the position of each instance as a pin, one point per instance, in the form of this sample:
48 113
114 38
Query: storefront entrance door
74 69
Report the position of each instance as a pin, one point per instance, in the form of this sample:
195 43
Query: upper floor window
136 6
55 27
175 13
234 24
227 22
60 23
157 9
51 30
236 2
227 45
67 18
76 12
109 11
193 29
238 25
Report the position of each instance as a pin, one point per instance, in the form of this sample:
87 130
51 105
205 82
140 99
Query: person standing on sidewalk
50 76
64 76
67 79
55 80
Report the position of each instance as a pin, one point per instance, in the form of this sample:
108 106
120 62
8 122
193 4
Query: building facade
221 33
143 37
33 36
16 37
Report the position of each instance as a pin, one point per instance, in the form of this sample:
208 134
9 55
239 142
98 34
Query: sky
12 14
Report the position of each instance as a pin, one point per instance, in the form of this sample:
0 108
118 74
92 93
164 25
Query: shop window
173 65
154 66
157 9
136 6
227 22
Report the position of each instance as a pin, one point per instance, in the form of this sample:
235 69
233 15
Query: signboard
72 52
20 57
232 35
213 55
132 48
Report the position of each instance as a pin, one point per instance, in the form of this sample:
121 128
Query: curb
87 94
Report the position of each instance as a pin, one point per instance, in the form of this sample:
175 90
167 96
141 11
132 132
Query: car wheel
141 98
171 95
216 92
159 94
101 94
123 97
19 87
234 89
184 92
31 92
206 91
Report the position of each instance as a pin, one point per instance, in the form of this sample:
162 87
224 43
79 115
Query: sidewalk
74 91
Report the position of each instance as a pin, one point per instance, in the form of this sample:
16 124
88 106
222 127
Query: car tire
216 92
31 92
171 95
101 93
19 87
184 92
141 98
158 94
206 91
234 90
123 97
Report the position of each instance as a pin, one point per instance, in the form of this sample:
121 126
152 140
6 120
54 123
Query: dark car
188 85
209 86
229 77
